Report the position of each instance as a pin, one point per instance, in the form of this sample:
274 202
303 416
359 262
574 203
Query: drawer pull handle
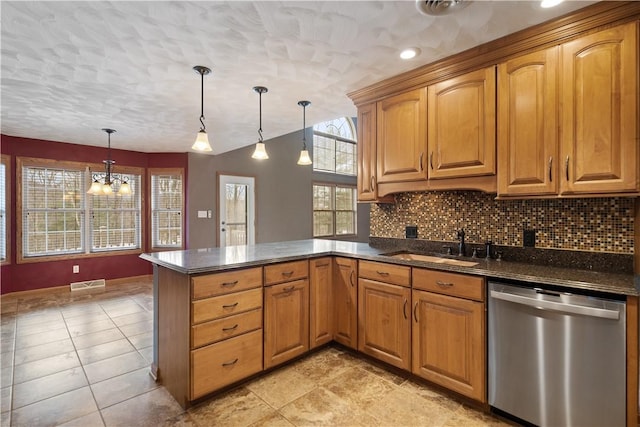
230 305
404 308
288 289
382 273
235 282
351 277
444 284
233 362
231 328
287 273
550 174
415 312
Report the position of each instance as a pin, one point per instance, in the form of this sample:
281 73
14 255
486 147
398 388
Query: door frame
255 202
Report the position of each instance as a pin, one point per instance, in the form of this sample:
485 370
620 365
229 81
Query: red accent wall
36 275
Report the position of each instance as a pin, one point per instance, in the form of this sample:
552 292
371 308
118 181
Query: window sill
64 257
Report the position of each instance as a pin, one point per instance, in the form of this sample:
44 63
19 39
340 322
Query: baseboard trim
110 282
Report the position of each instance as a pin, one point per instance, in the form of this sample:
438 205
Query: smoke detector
439 7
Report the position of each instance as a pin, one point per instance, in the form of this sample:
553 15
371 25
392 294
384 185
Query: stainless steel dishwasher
556 358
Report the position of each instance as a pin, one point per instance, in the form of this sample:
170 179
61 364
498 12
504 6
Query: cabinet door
401 137
599 112
528 125
384 326
320 302
286 321
345 302
367 153
449 343
462 131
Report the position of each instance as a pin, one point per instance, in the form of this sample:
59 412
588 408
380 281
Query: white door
236 199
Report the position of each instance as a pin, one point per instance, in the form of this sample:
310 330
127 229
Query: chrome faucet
461 247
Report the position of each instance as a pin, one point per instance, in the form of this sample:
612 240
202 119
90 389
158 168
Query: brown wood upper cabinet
599 112
587 147
401 137
461 126
367 160
527 124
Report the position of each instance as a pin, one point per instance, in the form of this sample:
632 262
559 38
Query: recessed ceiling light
550 3
412 52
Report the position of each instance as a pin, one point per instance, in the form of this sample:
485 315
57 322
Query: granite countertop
196 261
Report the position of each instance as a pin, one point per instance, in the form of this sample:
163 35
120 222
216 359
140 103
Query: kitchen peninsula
226 314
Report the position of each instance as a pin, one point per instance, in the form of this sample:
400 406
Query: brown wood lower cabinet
448 332
286 321
320 301
226 362
345 301
384 326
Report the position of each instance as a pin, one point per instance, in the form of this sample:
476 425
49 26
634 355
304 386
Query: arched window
334 147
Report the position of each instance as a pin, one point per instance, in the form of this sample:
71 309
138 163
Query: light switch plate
202 214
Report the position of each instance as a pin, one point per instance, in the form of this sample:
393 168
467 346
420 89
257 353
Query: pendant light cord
304 129
202 129
260 128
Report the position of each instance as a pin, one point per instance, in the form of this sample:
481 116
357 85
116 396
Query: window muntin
115 219
334 147
334 210
53 211
166 210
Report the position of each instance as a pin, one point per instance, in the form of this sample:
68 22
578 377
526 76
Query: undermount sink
434 259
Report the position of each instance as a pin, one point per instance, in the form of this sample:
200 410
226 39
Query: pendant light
103 182
304 159
261 151
202 140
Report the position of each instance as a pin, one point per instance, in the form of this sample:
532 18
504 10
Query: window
58 217
334 210
115 219
5 189
334 147
166 209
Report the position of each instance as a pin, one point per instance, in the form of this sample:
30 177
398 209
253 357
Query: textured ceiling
72 68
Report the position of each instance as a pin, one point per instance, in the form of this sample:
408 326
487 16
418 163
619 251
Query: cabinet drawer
214 284
225 305
285 272
457 285
388 273
227 327
226 362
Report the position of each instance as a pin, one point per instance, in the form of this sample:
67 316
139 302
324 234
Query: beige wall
283 192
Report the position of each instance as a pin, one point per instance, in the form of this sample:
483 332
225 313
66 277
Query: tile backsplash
598 225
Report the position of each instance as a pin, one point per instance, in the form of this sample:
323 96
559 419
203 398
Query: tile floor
82 359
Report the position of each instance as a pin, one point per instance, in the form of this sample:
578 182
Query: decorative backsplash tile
599 225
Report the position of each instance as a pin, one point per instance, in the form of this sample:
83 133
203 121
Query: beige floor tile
142 340
274 419
93 419
466 416
38 316
181 420
104 351
6 377
401 407
81 309
321 407
137 328
432 394
56 410
120 309
86 318
281 386
42 351
237 408
378 370
5 399
42 388
39 328
147 353
5 419
44 367
128 319
41 338
89 340
148 409
90 327
123 387
114 366
322 366
359 387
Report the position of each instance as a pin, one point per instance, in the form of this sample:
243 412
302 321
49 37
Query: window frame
166 171
333 186
5 160
86 169
336 139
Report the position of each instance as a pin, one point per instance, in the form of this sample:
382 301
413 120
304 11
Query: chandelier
105 183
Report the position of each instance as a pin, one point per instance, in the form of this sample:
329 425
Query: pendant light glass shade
304 159
260 152
202 140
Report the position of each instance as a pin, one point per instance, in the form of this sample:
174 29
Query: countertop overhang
199 261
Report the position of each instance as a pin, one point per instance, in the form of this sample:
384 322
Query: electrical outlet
529 238
76 269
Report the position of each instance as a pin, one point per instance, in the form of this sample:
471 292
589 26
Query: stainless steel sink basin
434 259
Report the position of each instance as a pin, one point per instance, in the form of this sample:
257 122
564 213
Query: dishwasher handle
556 306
